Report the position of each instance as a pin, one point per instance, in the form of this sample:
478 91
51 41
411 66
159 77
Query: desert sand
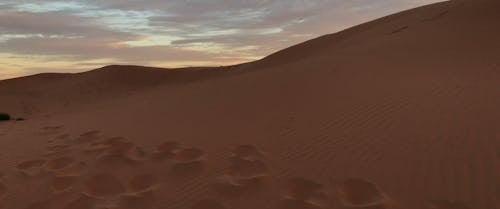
401 112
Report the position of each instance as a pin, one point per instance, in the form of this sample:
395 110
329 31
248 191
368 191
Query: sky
39 36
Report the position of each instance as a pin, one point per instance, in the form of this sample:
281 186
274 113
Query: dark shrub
4 116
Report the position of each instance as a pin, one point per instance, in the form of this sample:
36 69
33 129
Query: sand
401 112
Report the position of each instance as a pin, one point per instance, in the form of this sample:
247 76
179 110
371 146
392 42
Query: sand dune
400 112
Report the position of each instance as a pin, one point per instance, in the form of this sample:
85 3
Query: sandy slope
401 112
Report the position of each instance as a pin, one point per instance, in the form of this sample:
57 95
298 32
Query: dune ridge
399 112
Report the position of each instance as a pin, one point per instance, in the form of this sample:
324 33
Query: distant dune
399 113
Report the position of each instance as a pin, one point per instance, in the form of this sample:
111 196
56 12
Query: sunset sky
69 36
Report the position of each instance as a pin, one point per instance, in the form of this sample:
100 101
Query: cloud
169 32
83 48
56 23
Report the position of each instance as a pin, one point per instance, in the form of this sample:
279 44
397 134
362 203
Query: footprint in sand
103 185
30 164
62 137
82 202
56 154
73 169
63 183
436 16
88 137
247 152
143 182
143 200
57 151
165 151
47 204
208 204
303 193
445 204
51 129
137 154
95 148
188 155
187 162
246 173
117 145
360 193
31 167
246 169
246 163
56 148
59 163
117 151
297 204
93 133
